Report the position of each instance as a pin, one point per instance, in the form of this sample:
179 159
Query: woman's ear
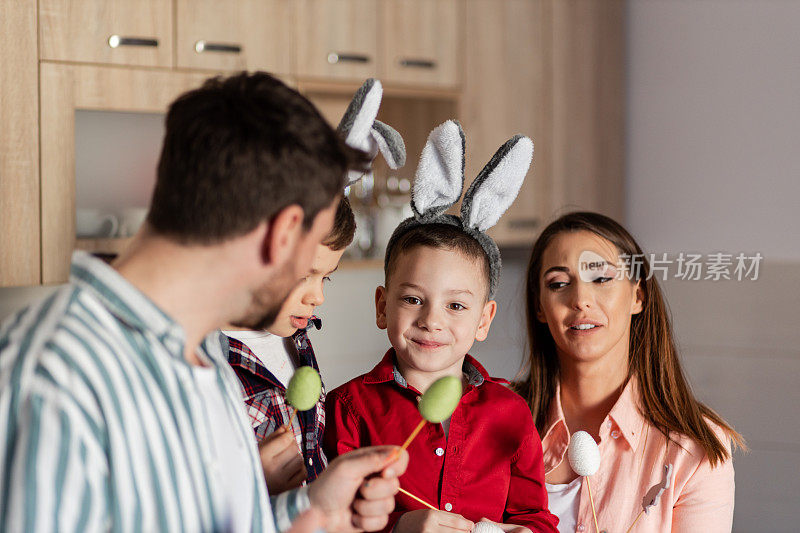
380 307
638 299
488 314
540 314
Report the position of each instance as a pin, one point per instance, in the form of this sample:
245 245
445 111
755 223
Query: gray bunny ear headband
361 130
440 180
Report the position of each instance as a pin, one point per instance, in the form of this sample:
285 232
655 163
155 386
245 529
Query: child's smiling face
308 294
433 309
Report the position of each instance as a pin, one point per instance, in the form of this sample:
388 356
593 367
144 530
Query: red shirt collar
386 371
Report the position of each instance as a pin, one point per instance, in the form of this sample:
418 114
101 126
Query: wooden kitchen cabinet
235 35
552 70
421 42
505 93
337 39
64 89
19 146
587 99
124 32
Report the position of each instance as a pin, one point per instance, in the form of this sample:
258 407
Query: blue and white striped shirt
102 418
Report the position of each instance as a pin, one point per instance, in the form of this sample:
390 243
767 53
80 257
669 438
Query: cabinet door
421 41
505 92
337 39
128 32
235 35
19 146
65 88
588 101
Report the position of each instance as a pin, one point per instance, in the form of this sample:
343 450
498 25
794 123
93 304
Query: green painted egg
304 388
441 399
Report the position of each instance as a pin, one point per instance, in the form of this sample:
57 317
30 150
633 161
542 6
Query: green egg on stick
436 406
441 399
304 390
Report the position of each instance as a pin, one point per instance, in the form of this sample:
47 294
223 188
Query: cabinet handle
205 46
417 63
337 57
523 223
116 41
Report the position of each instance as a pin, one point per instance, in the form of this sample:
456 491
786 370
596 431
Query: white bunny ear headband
361 130
440 180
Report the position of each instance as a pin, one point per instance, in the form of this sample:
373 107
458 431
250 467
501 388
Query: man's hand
357 490
281 460
430 521
312 521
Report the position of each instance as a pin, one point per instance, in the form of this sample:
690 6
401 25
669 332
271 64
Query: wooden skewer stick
423 502
410 438
638 516
288 425
591 499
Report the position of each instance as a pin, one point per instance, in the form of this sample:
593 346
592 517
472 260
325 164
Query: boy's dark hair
237 151
442 237
344 227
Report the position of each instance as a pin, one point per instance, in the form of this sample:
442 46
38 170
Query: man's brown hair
237 151
344 227
442 237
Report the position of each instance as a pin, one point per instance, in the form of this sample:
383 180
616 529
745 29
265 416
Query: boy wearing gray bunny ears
442 270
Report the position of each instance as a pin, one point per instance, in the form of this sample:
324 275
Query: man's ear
380 307
283 234
638 299
488 314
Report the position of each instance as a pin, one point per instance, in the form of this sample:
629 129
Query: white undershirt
231 468
564 502
277 354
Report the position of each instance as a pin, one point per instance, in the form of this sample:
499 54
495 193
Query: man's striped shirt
102 419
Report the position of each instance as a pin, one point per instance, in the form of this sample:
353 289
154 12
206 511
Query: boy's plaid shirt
265 397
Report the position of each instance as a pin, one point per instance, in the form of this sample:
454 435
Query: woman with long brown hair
602 359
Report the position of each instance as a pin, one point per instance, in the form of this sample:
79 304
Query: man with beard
117 406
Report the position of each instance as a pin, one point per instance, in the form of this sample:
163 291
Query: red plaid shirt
489 465
265 397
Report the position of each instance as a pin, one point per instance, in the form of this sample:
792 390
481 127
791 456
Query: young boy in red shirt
485 462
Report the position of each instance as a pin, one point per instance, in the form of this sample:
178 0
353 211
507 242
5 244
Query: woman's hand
283 465
430 521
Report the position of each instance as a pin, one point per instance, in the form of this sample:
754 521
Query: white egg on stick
584 458
487 527
583 454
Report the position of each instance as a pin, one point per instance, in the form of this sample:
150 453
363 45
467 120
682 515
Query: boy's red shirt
489 465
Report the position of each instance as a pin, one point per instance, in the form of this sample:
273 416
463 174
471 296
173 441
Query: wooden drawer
235 35
337 39
421 42
127 32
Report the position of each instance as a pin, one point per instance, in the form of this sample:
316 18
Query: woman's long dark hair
667 401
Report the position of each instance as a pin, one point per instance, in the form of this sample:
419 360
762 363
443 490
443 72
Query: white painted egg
583 453
486 527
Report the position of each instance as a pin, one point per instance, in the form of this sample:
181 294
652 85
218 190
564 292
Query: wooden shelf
105 246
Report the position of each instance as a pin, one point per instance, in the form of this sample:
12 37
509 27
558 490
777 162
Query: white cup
130 220
92 223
